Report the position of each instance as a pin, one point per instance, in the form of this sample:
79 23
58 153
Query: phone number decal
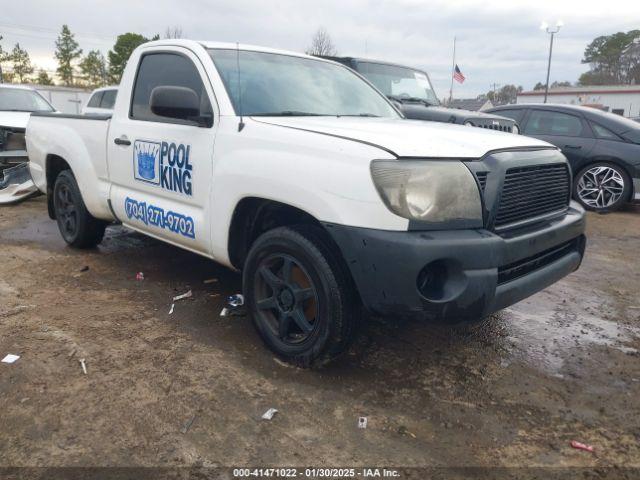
156 216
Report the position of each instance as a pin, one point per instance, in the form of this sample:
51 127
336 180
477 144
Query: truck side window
165 69
94 101
108 99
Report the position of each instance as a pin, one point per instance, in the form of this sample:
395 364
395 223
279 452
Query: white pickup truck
301 174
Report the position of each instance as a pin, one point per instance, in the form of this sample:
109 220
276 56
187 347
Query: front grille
527 265
482 179
500 128
533 191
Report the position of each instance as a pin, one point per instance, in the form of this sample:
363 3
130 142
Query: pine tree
4 57
67 51
118 57
43 78
22 67
93 69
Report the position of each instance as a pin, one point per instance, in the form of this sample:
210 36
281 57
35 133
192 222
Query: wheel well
54 165
254 216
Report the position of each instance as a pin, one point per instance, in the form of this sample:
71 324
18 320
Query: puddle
44 232
118 238
546 331
40 230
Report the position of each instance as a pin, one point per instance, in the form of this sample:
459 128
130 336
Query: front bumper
16 184
635 197
459 275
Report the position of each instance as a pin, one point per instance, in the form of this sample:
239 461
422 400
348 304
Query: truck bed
78 140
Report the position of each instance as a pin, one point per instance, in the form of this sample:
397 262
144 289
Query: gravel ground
188 389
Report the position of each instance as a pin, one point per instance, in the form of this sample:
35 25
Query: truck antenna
241 124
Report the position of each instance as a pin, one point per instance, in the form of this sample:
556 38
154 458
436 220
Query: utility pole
552 31
1 59
453 69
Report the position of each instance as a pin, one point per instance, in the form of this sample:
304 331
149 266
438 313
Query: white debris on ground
10 358
362 422
83 364
188 294
236 300
268 415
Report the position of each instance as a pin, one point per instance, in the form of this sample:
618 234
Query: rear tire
78 227
300 295
602 187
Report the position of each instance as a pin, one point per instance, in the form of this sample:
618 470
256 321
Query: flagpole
453 68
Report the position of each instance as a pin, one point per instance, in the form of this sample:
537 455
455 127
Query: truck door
161 167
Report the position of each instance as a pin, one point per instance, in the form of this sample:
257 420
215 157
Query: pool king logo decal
146 158
164 164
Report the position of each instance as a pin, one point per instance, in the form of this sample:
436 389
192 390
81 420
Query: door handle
575 147
122 141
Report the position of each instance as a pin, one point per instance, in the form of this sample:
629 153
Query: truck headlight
515 129
428 190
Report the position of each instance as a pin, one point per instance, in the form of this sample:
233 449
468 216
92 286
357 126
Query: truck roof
371 60
229 46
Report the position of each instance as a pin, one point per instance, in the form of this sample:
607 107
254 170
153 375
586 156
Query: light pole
551 30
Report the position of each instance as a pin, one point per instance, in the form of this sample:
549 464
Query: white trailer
64 99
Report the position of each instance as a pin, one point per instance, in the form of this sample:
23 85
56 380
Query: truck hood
416 111
410 138
14 119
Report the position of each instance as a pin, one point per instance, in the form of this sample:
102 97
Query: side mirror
175 102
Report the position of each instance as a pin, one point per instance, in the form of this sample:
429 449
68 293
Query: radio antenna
241 124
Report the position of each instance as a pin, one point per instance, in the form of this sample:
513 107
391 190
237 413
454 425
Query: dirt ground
189 388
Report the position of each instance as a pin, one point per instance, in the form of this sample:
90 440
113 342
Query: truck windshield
21 100
399 83
284 85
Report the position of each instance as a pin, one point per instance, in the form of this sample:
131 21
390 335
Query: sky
498 41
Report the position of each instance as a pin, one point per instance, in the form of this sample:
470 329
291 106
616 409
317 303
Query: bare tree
173 32
321 44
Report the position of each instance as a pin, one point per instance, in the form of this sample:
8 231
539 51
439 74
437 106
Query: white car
16 104
300 173
102 100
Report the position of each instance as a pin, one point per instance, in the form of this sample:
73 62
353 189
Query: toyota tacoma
297 172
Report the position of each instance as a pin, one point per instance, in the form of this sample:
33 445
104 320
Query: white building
621 99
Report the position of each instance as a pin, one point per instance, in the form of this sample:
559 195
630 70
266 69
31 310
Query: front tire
602 187
300 295
78 227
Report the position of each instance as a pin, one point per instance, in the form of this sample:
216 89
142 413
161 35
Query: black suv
412 92
602 148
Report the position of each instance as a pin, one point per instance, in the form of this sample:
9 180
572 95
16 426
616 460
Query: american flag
457 75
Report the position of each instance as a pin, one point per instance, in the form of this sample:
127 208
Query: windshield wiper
288 113
372 115
295 113
411 100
